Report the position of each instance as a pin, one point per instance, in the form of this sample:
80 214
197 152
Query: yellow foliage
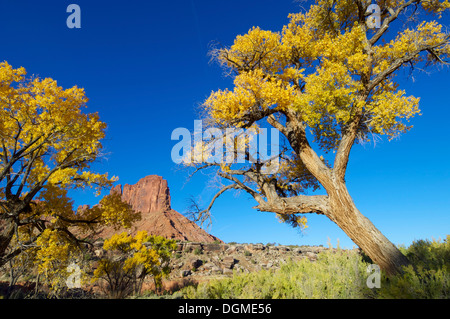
42 118
328 74
319 65
48 146
148 253
117 213
322 66
408 42
52 250
294 220
53 254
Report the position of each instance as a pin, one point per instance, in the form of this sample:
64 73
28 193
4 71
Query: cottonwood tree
326 82
47 146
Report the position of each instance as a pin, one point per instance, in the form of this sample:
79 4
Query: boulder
185 273
228 262
192 247
312 256
227 271
195 263
231 250
214 247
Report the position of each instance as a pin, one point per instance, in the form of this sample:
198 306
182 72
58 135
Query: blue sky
145 68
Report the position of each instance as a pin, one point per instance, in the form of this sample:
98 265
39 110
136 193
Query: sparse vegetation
340 274
138 257
337 273
427 278
328 277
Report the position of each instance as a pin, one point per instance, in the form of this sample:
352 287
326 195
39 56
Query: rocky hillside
199 255
203 261
151 197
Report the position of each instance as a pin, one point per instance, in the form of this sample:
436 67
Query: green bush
428 277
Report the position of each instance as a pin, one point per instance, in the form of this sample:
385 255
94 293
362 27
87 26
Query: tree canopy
47 148
326 81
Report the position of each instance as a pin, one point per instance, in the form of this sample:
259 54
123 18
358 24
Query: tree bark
340 207
6 234
362 232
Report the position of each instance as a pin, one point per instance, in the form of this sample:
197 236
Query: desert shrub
417 283
434 254
428 276
131 259
56 259
20 268
338 274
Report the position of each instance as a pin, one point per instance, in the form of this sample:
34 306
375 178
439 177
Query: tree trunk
340 208
6 234
363 233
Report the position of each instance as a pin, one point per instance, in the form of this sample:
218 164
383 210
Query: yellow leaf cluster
294 220
407 42
41 117
321 66
387 107
53 250
116 212
436 6
251 89
256 49
143 250
53 254
48 146
53 199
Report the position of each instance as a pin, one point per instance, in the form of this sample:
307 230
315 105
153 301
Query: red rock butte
151 197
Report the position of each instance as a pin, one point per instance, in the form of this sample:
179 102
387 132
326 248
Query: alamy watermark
74 279
373 21
227 146
374 279
74 19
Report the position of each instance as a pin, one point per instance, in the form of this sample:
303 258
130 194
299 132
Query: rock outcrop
204 261
151 197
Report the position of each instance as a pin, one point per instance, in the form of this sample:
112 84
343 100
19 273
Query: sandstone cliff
151 197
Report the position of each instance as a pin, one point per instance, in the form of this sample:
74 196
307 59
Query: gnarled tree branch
301 204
